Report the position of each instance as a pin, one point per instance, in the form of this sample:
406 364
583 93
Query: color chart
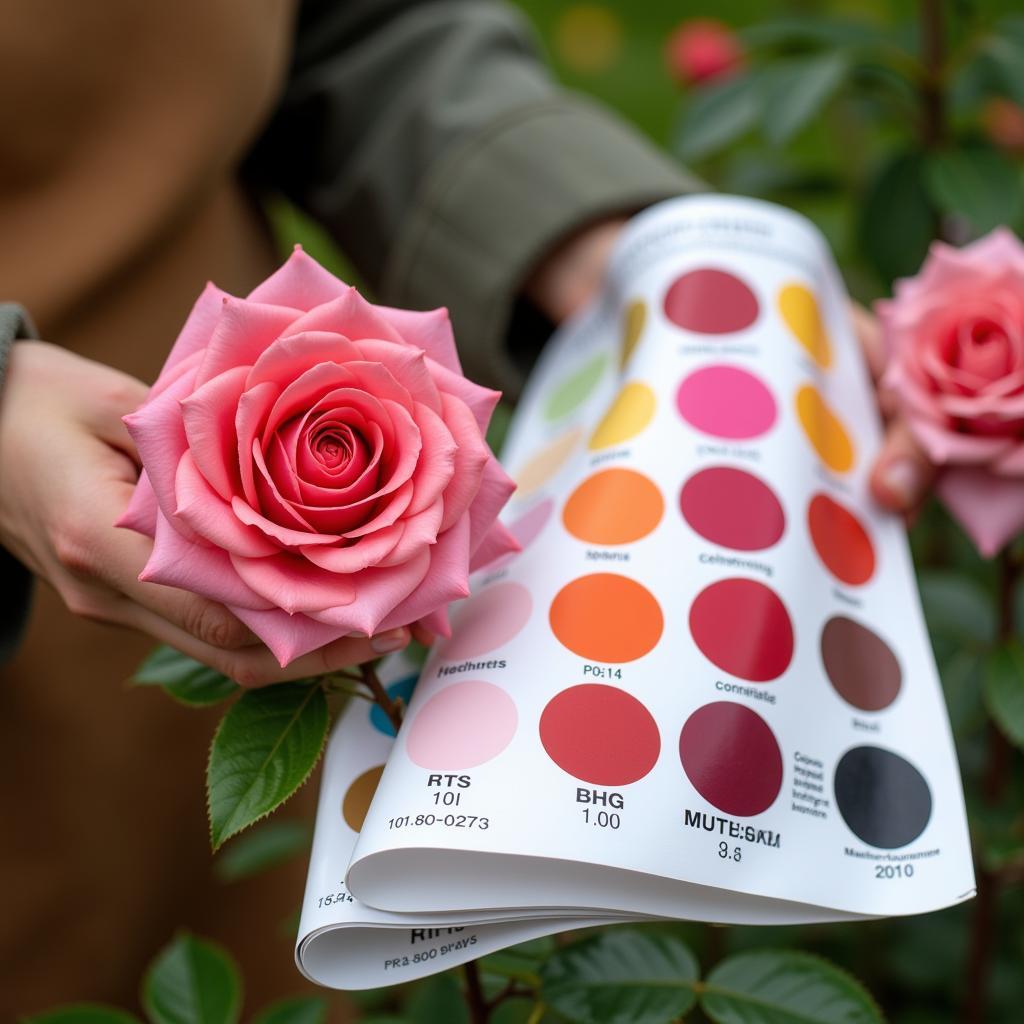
704 688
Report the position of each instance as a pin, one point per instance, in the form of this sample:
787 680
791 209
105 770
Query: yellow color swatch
629 414
824 431
540 468
633 321
799 309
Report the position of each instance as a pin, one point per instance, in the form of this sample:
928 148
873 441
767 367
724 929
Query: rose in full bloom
703 50
955 335
317 463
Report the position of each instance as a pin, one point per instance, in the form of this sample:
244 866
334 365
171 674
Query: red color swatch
841 541
731 757
710 302
600 734
733 508
743 627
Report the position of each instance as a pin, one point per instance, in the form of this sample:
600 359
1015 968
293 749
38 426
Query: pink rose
317 463
956 365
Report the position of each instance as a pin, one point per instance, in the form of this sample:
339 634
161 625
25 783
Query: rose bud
702 50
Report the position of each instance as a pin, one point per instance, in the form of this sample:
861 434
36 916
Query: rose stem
997 775
933 59
479 1011
390 707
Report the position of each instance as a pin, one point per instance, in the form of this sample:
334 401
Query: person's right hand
67 471
902 474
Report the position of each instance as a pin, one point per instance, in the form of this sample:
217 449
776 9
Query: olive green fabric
15 580
432 142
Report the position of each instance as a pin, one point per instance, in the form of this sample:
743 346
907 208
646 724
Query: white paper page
705 686
344 944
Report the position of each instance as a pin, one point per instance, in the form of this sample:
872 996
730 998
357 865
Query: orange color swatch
614 506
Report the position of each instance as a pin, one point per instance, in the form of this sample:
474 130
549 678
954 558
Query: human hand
902 474
68 469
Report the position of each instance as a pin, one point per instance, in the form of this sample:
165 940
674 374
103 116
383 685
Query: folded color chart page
704 689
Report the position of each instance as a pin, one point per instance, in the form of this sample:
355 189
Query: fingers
255 666
902 473
869 334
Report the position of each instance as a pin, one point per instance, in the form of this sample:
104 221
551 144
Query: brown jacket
134 137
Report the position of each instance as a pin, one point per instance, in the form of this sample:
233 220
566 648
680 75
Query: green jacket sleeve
431 141
15 579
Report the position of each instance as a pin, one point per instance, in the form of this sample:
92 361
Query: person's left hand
574 271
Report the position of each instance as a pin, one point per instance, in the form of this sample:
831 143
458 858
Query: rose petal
418 531
349 314
944 446
496 488
447 580
300 283
159 436
289 357
294 584
288 636
437 622
990 508
208 415
481 401
378 591
198 329
284 536
1011 463
406 364
353 558
210 517
177 562
430 330
438 460
496 543
471 457
253 410
244 331
141 511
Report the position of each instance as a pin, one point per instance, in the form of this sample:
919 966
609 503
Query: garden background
889 125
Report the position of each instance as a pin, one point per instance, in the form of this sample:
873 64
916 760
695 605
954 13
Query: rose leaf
192 982
264 749
183 678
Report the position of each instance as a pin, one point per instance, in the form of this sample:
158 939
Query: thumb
902 473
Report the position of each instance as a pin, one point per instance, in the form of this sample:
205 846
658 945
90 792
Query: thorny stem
997 775
391 708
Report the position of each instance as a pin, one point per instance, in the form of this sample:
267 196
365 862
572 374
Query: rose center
333 446
983 349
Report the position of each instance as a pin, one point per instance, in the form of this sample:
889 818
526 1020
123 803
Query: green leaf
808 28
192 982
1004 691
1005 55
437 999
621 976
264 749
264 847
785 987
977 183
797 89
897 221
297 1010
720 114
82 1013
184 678
958 611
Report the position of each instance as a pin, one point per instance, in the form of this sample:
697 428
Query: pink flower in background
317 463
702 50
956 364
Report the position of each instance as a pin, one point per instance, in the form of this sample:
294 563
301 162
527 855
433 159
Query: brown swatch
357 799
859 664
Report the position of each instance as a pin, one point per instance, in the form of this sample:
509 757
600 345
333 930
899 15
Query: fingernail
392 640
904 480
